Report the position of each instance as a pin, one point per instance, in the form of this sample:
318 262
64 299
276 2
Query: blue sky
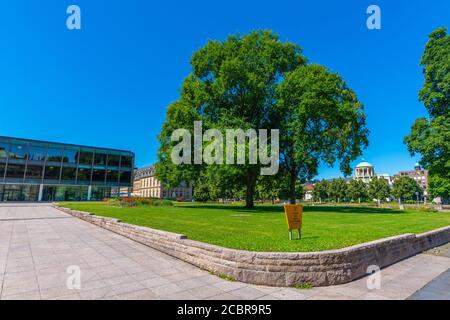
110 83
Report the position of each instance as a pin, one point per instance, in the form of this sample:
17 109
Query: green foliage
223 276
439 186
320 191
337 189
321 120
232 85
137 202
303 286
357 190
435 93
378 188
430 137
270 187
405 188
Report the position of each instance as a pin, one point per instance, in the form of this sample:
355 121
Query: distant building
309 189
365 172
148 186
418 174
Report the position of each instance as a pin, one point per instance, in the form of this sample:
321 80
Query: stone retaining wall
277 268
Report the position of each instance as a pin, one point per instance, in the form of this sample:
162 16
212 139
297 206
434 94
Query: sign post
294 217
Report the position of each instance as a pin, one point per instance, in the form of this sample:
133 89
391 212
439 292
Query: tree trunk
251 179
293 179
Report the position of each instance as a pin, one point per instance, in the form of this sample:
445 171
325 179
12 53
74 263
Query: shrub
135 202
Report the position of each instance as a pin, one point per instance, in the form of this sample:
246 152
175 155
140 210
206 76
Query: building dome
364 165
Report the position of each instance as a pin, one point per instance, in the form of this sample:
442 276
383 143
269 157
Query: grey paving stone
206 291
437 289
33 295
166 290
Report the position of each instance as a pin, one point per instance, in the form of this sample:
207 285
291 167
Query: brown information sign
294 215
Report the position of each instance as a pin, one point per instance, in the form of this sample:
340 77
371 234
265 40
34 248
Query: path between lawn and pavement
38 243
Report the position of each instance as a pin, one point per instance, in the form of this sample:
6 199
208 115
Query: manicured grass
264 228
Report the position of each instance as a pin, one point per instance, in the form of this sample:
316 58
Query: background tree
232 85
337 189
379 189
405 188
269 188
320 191
430 137
357 190
321 120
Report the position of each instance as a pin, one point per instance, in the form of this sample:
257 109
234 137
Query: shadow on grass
279 209
352 210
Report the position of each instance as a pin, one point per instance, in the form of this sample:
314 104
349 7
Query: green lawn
264 228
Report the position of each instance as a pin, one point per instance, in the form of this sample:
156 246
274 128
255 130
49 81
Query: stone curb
282 269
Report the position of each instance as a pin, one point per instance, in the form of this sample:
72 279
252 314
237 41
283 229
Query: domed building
364 171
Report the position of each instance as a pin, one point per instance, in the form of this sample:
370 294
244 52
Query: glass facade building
33 170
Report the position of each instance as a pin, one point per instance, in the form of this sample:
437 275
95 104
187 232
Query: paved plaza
39 243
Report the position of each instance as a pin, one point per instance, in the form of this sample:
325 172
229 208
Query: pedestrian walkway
38 244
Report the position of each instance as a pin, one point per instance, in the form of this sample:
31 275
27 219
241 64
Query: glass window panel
125 178
54 154
70 156
98 175
126 161
100 159
52 172
37 153
86 157
15 171
61 193
113 160
84 174
34 172
112 176
18 151
68 174
100 193
4 147
30 193
19 193
2 171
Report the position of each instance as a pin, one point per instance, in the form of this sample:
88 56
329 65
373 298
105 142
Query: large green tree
232 85
379 189
337 189
405 188
430 137
357 190
321 120
321 191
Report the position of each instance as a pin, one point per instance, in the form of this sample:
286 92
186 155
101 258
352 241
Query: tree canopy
321 120
406 188
430 137
256 82
379 189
